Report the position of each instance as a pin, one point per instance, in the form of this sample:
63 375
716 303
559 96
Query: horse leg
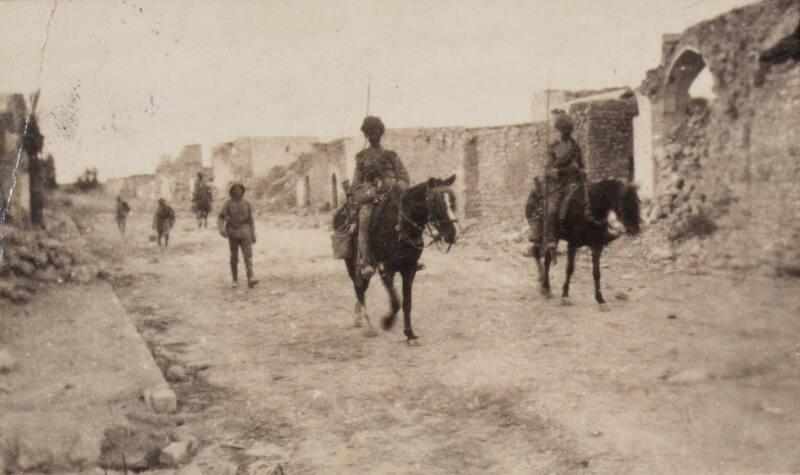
408 283
537 255
597 251
361 308
545 290
387 277
571 251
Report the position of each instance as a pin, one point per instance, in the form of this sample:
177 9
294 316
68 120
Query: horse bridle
431 225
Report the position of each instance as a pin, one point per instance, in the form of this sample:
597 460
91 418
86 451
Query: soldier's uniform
564 170
236 223
163 221
377 171
122 213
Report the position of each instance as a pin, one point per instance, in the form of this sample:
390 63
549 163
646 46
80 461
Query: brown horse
587 226
430 205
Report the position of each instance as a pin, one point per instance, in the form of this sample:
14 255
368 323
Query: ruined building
729 168
247 158
175 177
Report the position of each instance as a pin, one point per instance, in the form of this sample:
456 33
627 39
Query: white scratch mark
4 210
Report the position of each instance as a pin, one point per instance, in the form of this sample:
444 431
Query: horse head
627 208
441 206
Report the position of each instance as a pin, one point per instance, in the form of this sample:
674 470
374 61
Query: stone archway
685 67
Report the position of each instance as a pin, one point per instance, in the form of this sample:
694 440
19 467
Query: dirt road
684 374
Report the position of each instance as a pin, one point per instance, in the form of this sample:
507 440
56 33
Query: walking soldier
236 224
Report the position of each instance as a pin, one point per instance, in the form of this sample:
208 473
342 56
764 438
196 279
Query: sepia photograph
400 237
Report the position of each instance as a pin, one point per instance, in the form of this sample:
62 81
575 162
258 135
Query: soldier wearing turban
377 170
564 170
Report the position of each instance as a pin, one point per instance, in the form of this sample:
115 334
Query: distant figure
236 224
201 201
163 221
122 213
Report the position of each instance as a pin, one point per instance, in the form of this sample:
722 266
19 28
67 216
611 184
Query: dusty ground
503 381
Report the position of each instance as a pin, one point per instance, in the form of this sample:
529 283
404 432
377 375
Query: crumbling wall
268 152
746 149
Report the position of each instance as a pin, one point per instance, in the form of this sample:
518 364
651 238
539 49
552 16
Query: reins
428 228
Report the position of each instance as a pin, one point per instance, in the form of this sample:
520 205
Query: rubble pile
682 203
33 259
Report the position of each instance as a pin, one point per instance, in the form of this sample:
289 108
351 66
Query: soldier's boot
364 216
251 281
234 272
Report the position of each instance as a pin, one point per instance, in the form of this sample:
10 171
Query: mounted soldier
378 172
201 200
564 171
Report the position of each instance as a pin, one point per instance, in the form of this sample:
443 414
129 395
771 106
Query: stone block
176 453
161 400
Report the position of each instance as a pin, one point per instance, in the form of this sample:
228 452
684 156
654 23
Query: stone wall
500 163
494 166
746 147
175 177
431 153
605 131
319 187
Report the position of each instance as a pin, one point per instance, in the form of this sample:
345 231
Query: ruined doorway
681 83
334 191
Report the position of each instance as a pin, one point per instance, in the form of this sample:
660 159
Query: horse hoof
370 332
357 323
603 307
547 294
565 302
412 342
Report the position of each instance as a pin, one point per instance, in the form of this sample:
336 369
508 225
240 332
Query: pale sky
124 82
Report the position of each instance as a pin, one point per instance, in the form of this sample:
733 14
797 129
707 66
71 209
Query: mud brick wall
745 174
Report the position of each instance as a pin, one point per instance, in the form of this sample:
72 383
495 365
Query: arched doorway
680 84
334 191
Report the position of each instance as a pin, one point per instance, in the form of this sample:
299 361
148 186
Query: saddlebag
342 242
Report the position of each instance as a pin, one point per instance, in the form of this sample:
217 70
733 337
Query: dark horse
578 230
429 205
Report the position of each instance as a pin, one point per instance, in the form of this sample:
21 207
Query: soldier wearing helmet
377 171
236 224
